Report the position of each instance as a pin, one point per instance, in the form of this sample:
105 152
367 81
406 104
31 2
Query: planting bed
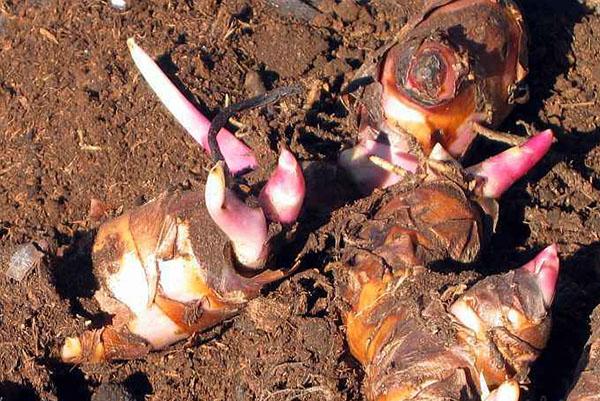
77 122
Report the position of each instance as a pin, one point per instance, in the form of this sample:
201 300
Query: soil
78 123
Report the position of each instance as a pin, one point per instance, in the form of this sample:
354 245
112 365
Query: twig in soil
579 104
292 393
387 166
3 8
48 35
7 169
493 135
84 146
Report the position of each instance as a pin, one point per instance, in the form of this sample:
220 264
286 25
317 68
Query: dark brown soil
77 122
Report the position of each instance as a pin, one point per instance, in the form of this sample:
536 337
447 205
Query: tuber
422 348
412 344
187 260
455 67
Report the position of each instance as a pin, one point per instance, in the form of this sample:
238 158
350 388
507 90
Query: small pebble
23 260
112 392
119 4
295 8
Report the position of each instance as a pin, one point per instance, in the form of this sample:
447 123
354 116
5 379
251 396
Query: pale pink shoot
499 172
282 196
545 267
238 156
246 227
369 176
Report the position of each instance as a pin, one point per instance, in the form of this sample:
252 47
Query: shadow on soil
70 383
10 391
577 296
551 24
72 272
138 386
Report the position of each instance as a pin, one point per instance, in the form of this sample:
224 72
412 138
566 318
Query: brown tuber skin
587 383
408 340
457 62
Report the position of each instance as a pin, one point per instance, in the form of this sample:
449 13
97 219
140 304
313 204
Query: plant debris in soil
77 123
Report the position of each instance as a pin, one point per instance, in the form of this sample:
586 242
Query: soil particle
287 50
111 392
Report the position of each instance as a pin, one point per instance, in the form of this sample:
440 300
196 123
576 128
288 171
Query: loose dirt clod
112 392
268 314
98 209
